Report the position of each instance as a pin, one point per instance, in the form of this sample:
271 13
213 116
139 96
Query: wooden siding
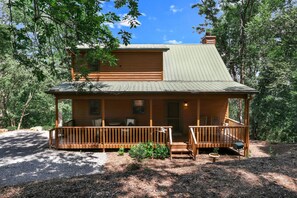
120 109
210 107
117 110
131 66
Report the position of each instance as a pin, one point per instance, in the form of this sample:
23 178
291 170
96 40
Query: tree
36 37
22 98
257 40
228 20
43 29
273 34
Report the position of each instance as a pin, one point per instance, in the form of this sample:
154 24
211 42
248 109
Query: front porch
183 123
109 137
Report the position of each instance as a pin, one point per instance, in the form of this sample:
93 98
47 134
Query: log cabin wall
120 109
211 107
216 106
117 110
135 65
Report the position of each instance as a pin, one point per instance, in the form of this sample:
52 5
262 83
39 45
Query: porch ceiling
195 87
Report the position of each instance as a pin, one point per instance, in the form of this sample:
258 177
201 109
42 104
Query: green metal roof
194 62
151 87
187 68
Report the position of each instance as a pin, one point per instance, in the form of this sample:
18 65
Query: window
94 107
138 106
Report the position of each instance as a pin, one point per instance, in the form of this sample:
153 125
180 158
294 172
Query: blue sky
163 21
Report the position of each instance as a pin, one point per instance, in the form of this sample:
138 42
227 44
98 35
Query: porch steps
180 150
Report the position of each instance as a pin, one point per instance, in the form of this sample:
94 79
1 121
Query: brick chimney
208 39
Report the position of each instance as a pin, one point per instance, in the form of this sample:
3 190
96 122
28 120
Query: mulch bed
271 171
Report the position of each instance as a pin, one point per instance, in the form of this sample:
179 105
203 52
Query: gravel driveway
25 157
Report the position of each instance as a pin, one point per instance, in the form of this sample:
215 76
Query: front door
173 115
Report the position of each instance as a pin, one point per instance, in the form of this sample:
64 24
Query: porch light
185 104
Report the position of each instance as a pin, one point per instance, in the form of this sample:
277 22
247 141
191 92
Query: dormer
135 63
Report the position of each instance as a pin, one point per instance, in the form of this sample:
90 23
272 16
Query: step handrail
170 142
170 136
193 142
193 135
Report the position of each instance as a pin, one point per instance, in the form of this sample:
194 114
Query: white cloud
173 42
174 9
110 25
143 14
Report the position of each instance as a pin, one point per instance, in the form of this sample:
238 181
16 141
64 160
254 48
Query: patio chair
130 121
125 132
97 122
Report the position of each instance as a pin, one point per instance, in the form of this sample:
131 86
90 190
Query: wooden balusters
218 136
108 137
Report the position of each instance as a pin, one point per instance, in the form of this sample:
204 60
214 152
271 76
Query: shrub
161 152
138 152
121 151
146 150
149 148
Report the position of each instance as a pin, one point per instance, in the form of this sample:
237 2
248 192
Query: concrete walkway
25 157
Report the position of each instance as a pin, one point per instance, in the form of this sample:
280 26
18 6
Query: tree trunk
24 110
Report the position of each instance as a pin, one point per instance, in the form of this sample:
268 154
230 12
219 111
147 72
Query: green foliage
216 150
257 41
274 108
138 152
147 150
121 151
161 152
11 128
48 127
43 29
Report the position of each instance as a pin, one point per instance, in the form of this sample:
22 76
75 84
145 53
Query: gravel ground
25 157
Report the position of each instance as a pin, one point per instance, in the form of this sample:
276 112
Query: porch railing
218 136
107 137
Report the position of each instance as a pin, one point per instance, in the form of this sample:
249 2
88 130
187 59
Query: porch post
198 123
57 122
151 112
57 111
247 124
103 112
103 122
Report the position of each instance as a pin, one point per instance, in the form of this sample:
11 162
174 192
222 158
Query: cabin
177 95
